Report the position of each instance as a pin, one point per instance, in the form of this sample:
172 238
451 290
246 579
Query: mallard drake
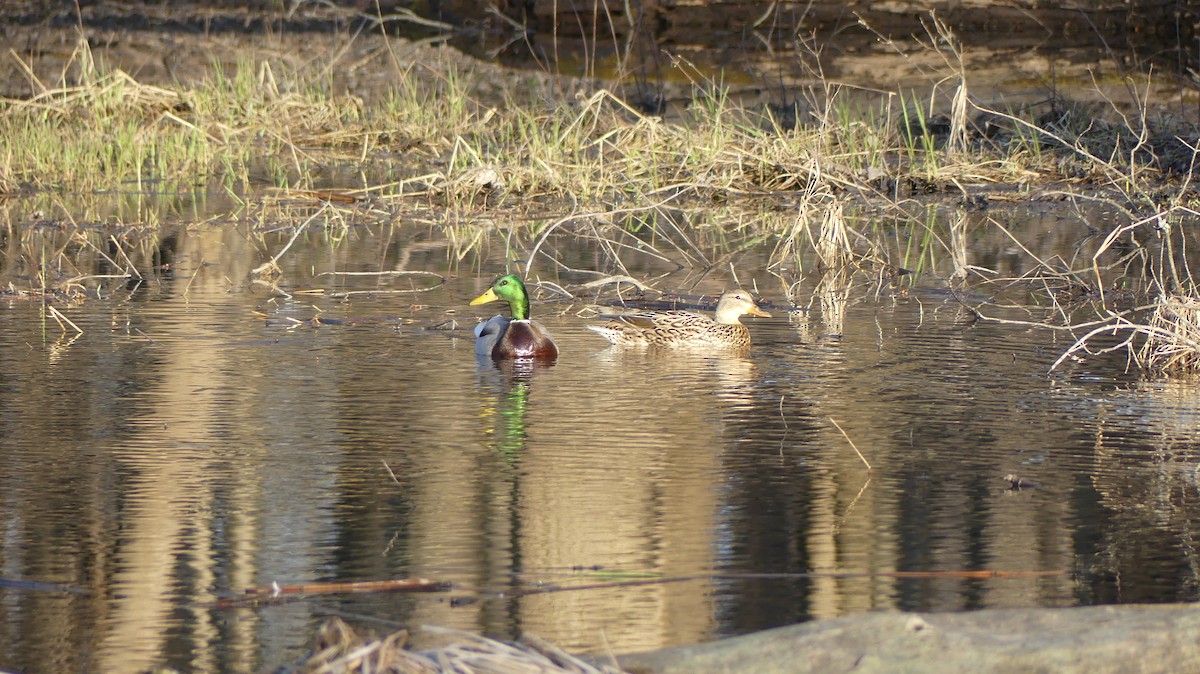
502 338
684 329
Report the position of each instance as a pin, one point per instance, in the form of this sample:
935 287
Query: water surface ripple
183 449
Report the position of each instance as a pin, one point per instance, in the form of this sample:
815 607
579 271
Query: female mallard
520 337
684 328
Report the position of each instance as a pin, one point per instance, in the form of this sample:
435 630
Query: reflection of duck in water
520 337
684 329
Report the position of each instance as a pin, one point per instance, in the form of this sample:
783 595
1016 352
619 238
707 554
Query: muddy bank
1160 31
1095 640
1117 24
753 55
184 43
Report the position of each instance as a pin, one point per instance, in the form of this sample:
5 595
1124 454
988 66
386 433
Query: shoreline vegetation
805 174
823 174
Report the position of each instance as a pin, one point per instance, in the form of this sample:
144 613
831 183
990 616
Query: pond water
192 443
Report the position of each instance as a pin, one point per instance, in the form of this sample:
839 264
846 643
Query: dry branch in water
1167 344
1172 337
400 585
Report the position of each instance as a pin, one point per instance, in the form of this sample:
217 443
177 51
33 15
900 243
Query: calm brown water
184 448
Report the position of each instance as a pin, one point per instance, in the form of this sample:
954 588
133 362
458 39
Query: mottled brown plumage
684 329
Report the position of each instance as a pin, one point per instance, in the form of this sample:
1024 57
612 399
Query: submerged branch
283 593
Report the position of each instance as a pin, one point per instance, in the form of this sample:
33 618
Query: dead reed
561 138
443 145
1172 337
339 649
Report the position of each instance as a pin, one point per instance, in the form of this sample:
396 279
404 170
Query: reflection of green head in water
510 441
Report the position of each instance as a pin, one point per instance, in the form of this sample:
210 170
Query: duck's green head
510 289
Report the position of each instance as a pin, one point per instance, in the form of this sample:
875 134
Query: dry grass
95 128
446 147
1172 338
341 650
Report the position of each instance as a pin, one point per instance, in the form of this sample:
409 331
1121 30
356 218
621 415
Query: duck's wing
488 333
658 320
655 328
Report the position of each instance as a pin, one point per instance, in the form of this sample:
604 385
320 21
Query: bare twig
852 445
58 316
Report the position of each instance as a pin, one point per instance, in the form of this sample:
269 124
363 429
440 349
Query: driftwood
1092 640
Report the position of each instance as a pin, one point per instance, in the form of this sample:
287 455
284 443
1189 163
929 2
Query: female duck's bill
519 337
684 329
